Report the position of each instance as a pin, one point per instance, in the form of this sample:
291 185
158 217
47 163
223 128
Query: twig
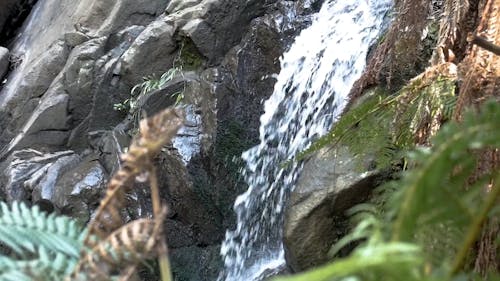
163 261
484 43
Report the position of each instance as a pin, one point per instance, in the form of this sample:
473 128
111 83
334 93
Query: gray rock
187 203
329 185
26 83
74 39
195 263
189 137
25 169
4 62
145 53
61 179
110 145
86 181
44 186
178 5
46 125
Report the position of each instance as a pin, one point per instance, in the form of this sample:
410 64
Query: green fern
382 127
25 229
43 265
428 225
43 247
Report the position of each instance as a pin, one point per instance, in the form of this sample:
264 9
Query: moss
230 144
190 57
379 126
232 140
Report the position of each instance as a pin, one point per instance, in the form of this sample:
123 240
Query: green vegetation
387 125
425 224
150 84
42 247
189 56
230 144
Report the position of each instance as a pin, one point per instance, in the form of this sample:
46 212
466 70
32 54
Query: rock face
315 217
73 62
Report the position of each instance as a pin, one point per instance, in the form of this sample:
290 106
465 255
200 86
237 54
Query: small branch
165 271
485 44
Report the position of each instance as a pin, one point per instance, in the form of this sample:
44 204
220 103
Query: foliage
38 246
189 56
383 126
149 84
431 205
117 247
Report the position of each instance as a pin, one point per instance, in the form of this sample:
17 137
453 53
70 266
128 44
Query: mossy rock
190 57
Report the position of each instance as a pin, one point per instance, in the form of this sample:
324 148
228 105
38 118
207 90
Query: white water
316 75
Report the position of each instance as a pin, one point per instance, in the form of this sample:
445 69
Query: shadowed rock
328 186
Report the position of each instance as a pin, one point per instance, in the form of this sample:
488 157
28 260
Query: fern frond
127 246
155 132
440 166
381 127
383 261
43 265
433 218
25 229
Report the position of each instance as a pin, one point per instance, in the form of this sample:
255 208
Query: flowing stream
316 75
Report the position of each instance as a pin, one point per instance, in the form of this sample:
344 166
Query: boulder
329 185
25 169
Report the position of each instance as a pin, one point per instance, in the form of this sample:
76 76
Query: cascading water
316 75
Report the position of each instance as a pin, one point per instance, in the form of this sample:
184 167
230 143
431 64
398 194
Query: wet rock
268 274
329 185
109 145
188 204
4 62
27 170
241 84
189 137
59 179
86 181
43 185
195 263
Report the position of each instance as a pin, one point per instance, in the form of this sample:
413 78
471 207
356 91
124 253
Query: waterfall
316 75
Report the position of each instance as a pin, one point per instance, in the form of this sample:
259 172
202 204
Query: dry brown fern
114 248
121 250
